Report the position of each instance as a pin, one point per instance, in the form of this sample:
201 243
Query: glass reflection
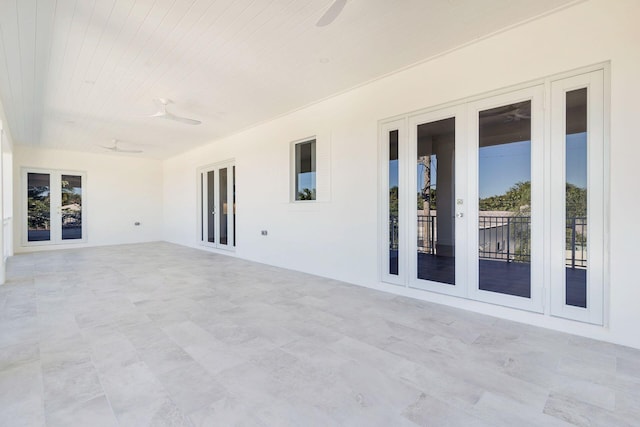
38 207
306 170
393 202
71 207
223 208
504 220
576 198
435 201
211 207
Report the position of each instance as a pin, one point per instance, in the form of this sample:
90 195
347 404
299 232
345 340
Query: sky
306 180
502 166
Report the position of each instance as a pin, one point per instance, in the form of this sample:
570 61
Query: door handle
459 215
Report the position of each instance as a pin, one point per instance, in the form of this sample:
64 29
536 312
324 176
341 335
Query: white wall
338 238
118 191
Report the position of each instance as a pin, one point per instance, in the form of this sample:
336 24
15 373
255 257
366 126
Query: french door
463 201
53 207
217 219
438 178
501 198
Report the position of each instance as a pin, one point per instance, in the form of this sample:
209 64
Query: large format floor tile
158 334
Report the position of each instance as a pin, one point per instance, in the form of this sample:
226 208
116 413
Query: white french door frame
548 287
460 200
535 94
203 194
55 207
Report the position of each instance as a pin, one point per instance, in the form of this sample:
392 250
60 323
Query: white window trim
292 169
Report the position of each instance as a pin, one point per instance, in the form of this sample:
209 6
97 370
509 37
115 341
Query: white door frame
536 95
203 205
460 184
55 212
597 173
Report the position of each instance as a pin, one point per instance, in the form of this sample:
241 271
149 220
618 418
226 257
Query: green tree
307 194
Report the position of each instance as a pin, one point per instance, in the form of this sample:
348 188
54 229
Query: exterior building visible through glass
576 198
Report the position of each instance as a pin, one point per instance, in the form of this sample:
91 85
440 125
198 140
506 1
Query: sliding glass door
53 207
217 219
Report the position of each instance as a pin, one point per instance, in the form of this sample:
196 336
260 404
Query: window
305 170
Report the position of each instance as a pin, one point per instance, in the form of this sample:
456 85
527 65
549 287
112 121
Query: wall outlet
264 232
136 223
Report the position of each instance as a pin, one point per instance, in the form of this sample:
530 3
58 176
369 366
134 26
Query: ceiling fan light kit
162 112
116 149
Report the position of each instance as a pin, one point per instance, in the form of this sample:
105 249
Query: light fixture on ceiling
332 13
162 104
115 148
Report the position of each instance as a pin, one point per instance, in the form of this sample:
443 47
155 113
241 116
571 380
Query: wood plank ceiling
75 74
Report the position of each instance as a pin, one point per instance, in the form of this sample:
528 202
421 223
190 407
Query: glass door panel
71 207
578 203
435 197
38 207
576 198
504 203
223 207
435 185
393 202
210 213
54 207
217 204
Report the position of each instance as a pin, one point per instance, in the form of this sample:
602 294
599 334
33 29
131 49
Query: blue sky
502 166
306 180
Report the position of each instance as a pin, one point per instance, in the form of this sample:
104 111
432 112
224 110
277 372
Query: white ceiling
75 74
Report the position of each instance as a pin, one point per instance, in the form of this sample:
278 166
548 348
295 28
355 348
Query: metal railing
506 238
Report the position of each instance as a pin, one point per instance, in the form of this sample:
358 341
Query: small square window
305 170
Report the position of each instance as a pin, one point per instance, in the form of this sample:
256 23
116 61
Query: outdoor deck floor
159 334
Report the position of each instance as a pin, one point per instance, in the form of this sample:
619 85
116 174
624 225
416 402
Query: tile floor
158 334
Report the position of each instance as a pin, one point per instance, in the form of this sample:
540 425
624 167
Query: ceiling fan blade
332 13
184 120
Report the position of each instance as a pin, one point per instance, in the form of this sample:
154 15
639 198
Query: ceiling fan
162 104
332 13
116 149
